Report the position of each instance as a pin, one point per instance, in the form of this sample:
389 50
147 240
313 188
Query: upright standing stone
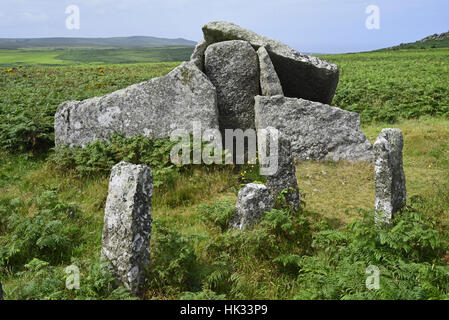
198 54
233 68
253 200
390 187
1 291
270 84
284 179
302 76
127 223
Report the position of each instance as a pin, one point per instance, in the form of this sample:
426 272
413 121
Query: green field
93 55
52 201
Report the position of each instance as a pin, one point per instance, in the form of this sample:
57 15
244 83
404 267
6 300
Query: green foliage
49 234
202 295
92 55
218 214
175 265
427 44
99 157
409 253
40 281
389 85
250 173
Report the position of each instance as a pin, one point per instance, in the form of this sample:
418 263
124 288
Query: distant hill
116 42
434 41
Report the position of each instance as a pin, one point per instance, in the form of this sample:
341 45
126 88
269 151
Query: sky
314 26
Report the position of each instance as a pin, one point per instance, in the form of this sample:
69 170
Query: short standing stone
317 131
153 108
233 68
127 223
302 76
284 179
269 80
389 174
198 54
253 200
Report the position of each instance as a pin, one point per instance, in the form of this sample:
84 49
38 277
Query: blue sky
327 26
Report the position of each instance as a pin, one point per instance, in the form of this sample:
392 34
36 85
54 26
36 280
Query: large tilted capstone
301 76
127 223
153 108
233 68
253 201
391 193
282 183
316 131
270 85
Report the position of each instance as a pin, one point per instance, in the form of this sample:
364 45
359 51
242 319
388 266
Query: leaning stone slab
301 76
253 200
270 84
197 56
127 223
317 131
283 180
391 193
152 108
233 68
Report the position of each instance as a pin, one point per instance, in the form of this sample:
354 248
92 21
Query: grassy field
52 202
92 55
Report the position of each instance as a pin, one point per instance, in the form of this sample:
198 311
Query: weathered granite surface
233 68
127 223
270 84
316 130
152 108
197 56
253 201
391 193
302 76
284 179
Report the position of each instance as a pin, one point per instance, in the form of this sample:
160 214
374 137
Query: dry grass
337 190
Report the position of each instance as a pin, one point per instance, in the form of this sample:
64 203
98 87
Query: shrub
218 214
44 282
175 266
100 156
49 234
